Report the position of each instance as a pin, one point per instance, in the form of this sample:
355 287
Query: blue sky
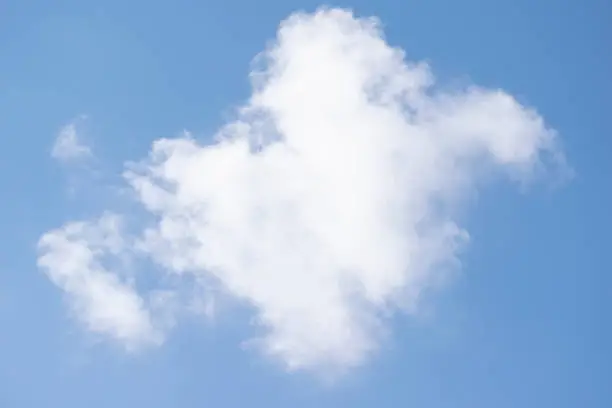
521 318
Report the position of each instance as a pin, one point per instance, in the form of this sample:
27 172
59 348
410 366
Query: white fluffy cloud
73 257
68 146
325 206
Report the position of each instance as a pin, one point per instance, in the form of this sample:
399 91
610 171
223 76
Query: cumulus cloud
68 146
325 206
73 258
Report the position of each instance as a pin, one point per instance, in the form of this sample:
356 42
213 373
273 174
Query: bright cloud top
325 206
68 146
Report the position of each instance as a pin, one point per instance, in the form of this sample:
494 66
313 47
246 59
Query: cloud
68 146
73 258
327 205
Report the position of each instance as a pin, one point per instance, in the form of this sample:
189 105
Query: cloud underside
325 206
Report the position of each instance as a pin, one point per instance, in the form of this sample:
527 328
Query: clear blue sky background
527 325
